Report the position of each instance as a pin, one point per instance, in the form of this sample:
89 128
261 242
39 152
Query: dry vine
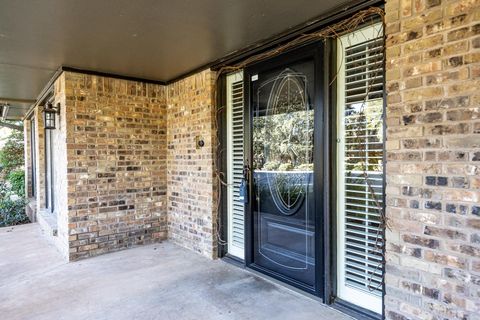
334 31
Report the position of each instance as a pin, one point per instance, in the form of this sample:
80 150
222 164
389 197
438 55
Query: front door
285 130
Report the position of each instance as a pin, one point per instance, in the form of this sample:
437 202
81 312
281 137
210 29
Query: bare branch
11 126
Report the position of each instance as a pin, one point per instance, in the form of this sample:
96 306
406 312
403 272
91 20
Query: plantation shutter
360 176
235 113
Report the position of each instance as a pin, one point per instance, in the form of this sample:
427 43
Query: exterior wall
112 166
134 172
433 159
116 163
192 208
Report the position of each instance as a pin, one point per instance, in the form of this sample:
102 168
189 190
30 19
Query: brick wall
110 164
116 170
191 184
59 160
433 152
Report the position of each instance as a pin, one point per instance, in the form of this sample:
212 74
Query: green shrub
271 165
305 167
12 154
17 182
12 182
285 167
12 207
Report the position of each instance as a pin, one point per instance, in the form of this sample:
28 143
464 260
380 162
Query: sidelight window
33 158
360 150
235 155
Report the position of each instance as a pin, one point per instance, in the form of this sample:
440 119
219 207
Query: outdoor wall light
49 115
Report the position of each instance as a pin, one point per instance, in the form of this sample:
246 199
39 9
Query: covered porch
159 281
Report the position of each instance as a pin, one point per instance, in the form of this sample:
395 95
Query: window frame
345 300
49 172
33 157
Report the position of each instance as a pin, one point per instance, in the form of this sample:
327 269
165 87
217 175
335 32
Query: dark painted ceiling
151 39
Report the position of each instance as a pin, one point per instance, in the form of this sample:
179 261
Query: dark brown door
285 167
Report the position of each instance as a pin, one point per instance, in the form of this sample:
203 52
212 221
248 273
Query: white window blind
360 167
235 154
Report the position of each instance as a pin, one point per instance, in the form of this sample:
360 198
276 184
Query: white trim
344 292
232 248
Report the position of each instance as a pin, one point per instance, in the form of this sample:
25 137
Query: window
360 148
33 157
49 194
235 155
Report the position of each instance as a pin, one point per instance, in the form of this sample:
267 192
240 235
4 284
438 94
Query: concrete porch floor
161 281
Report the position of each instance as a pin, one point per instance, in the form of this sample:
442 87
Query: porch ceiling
151 39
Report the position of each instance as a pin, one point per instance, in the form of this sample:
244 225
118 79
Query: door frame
326 278
318 52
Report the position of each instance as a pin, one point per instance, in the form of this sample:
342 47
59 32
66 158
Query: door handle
246 171
243 192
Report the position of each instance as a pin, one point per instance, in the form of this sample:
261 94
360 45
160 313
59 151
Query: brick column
116 163
192 209
433 154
